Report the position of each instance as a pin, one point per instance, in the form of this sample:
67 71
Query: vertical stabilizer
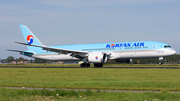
29 37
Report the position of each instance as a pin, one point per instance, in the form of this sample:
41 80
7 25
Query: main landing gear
88 65
98 65
85 64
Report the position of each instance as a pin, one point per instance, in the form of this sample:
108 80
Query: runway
91 67
135 91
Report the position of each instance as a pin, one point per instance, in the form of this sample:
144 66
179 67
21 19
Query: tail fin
29 37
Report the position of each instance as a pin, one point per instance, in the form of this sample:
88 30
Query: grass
77 65
92 78
41 65
64 95
141 65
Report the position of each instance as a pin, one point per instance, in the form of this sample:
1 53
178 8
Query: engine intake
97 57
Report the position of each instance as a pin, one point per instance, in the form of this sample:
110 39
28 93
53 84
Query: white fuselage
131 54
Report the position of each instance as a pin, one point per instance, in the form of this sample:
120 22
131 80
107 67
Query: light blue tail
30 38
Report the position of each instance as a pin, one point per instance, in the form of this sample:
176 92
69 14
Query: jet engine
97 57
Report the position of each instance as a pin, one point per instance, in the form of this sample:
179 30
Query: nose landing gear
160 60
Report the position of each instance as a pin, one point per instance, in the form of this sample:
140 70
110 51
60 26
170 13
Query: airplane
98 53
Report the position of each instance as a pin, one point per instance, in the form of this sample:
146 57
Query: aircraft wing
74 53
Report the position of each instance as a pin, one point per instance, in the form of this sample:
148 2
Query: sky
60 22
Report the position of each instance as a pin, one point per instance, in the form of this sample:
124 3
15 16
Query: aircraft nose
169 52
173 51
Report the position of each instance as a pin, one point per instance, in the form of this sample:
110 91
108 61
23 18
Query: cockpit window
167 46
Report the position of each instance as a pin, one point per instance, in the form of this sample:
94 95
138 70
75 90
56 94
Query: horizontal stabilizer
15 50
22 52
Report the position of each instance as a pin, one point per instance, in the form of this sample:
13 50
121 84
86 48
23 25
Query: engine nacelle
97 57
123 60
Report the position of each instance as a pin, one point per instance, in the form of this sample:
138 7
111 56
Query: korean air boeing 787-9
97 53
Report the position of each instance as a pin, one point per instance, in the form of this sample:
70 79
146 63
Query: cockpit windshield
167 46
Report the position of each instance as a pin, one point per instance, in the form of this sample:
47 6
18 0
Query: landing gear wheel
82 65
160 63
85 65
98 65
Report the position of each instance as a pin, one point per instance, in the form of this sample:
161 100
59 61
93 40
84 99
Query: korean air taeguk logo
96 57
30 39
